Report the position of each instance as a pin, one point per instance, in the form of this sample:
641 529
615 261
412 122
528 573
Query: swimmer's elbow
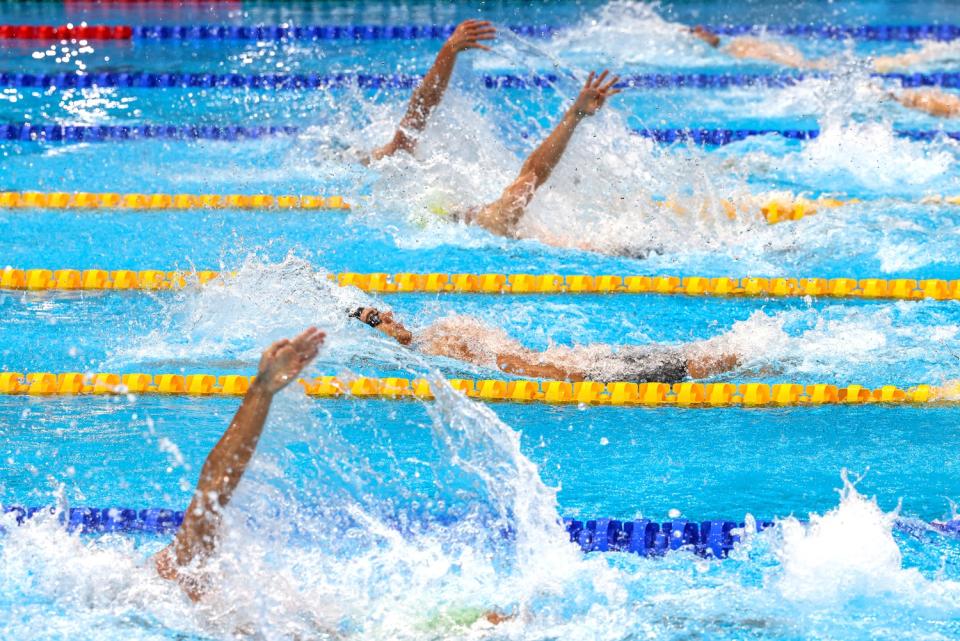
493 220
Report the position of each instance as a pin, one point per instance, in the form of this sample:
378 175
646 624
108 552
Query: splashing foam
848 555
851 156
623 33
869 157
231 320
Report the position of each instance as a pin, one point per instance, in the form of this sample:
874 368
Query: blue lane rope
859 32
317 32
46 132
718 137
144 80
415 32
640 536
103 133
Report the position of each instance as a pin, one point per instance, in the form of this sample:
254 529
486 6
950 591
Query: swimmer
468 339
502 215
468 35
928 52
935 102
750 48
185 559
931 101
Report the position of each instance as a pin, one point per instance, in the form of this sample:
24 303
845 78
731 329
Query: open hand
594 93
283 361
468 35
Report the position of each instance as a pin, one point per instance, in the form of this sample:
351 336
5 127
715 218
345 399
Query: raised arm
502 215
429 92
198 535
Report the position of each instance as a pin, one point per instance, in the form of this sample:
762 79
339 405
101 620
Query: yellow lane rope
406 282
554 392
773 209
109 200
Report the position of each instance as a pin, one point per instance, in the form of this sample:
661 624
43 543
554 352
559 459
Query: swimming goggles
373 318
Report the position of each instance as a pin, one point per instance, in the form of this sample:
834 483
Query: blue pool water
313 549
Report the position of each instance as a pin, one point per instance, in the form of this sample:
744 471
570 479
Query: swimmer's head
706 35
383 322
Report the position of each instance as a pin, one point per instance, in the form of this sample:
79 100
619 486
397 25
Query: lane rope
150 80
51 132
619 393
115 200
641 536
329 32
437 283
65 32
714 538
773 211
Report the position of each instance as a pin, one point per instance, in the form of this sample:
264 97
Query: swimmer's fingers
597 84
473 23
483 33
607 87
309 341
474 45
469 32
589 81
271 351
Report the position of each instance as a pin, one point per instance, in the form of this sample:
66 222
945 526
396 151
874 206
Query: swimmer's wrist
259 389
449 49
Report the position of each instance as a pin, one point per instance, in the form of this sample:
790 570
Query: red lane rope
50 32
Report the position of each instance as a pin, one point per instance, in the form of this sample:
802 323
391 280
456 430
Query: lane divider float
50 132
641 536
689 395
435 283
114 200
704 136
714 538
942 32
773 211
149 80
65 32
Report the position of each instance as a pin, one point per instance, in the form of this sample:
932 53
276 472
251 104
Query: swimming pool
396 519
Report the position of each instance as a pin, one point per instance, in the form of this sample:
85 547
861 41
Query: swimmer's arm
748 48
932 101
541 163
228 460
527 364
707 365
502 216
925 53
429 92
886 64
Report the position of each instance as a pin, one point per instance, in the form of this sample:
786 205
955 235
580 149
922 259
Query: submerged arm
198 535
502 215
527 363
932 101
782 54
429 92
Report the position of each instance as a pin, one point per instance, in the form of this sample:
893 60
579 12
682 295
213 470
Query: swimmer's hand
468 35
283 361
594 93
